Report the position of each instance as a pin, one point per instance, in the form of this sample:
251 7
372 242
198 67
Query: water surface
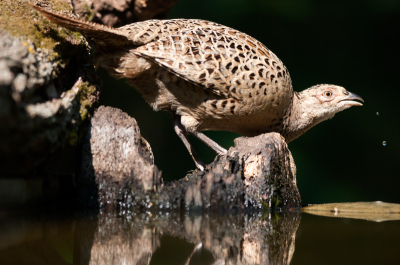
218 238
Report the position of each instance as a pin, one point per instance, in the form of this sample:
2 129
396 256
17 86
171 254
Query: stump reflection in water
170 238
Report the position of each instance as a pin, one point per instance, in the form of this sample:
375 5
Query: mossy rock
48 86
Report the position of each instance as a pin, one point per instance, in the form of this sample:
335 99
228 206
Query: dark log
117 170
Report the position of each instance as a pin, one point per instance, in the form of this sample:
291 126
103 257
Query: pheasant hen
210 77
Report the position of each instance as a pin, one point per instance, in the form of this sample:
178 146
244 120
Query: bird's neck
299 119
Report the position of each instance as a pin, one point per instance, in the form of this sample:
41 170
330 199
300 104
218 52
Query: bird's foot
199 164
221 152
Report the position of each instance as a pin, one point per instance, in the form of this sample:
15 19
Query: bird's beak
350 99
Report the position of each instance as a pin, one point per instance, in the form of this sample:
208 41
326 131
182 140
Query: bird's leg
216 147
181 132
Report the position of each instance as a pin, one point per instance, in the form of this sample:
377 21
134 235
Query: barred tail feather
101 34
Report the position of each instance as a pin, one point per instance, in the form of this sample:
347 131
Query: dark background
354 44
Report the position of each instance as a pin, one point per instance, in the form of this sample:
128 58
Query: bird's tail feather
101 34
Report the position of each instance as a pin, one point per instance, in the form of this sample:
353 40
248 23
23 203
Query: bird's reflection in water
173 238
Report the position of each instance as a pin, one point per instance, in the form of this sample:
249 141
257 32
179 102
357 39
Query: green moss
278 202
21 20
85 91
88 11
265 205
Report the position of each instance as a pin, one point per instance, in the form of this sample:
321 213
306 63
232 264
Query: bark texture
117 162
258 172
117 170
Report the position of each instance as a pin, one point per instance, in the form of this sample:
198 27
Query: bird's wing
225 61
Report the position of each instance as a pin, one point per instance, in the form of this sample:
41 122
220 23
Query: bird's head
322 102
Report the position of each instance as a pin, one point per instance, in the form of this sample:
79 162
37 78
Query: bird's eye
328 94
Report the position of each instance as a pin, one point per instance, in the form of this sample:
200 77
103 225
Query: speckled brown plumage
210 77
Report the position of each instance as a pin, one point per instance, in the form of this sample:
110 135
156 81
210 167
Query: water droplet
384 143
377 114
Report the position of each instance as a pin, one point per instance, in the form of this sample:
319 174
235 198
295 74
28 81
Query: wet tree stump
118 172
